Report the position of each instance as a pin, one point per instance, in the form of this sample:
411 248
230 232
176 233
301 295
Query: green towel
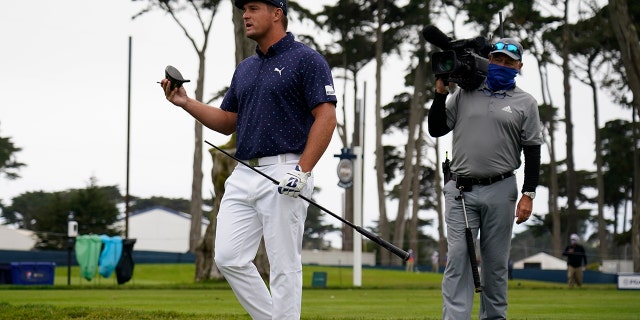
87 254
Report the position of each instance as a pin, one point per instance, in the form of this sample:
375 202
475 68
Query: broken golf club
174 76
381 242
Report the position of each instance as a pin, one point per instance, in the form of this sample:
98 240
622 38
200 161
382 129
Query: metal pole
126 196
357 217
358 186
69 260
72 233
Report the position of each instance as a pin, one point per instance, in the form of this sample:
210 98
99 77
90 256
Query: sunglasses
510 47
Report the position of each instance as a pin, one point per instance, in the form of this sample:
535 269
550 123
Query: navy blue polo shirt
274 94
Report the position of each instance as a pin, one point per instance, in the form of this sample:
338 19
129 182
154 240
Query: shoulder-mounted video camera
461 61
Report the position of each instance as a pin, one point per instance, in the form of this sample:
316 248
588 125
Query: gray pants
490 211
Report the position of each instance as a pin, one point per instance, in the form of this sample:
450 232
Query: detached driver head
174 76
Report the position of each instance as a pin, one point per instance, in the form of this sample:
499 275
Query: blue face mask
501 77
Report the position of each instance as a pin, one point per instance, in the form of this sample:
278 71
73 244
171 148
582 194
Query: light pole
350 176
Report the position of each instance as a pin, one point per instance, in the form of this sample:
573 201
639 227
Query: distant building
16 239
541 261
160 229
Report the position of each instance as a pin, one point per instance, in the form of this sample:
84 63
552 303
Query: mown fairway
167 292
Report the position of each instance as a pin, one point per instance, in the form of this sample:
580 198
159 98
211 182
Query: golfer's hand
294 182
177 96
523 210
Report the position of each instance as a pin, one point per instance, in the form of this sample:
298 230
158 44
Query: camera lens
446 65
444 62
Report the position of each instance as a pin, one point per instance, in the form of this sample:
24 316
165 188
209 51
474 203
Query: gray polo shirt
489 130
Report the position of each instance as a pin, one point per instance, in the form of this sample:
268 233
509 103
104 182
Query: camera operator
491 126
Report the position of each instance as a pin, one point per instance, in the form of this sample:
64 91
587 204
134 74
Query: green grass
168 292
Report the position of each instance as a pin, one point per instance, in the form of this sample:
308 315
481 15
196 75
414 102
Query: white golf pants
251 208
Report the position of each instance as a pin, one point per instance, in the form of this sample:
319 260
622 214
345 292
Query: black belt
481 181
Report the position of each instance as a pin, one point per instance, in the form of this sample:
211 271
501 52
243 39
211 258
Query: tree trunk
195 232
383 224
635 219
415 198
420 101
556 232
416 109
626 33
221 169
196 190
602 223
442 239
196 182
556 236
572 219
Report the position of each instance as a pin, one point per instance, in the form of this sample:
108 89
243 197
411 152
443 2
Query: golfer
281 104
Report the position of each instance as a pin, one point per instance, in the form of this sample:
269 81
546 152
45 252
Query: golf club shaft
471 248
381 242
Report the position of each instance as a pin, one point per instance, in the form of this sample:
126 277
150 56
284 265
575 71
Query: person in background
493 126
411 261
281 105
576 261
435 262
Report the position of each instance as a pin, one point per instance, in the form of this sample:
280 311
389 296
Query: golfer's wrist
186 103
300 168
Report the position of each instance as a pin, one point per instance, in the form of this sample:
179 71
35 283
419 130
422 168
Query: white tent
16 239
160 229
542 261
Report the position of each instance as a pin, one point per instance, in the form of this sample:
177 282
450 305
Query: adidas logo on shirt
507 109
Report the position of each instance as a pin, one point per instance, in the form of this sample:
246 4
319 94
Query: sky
65 84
